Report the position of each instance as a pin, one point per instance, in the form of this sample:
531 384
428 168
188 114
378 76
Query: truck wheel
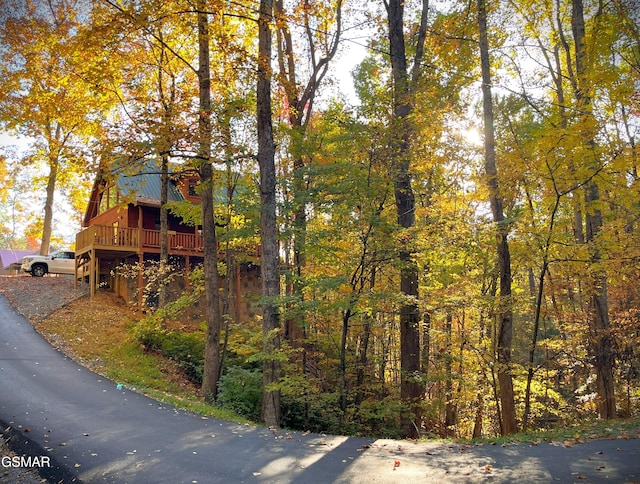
38 270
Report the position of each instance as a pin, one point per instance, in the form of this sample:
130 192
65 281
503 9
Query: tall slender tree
411 388
47 90
504 313
598 311
211 373
322 47
268 222
167 121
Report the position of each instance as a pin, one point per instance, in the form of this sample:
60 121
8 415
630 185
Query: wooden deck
135 241
100 245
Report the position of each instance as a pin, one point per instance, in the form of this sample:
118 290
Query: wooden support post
92 272
114 278
187 272
140 279
97 271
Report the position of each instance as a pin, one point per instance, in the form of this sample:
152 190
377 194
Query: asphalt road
94 432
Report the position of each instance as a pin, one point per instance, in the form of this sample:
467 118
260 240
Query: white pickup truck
58 262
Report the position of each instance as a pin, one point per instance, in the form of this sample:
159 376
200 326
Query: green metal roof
146 185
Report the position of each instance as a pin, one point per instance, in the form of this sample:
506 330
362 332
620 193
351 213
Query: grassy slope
95 333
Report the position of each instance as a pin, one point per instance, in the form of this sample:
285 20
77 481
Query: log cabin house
122 226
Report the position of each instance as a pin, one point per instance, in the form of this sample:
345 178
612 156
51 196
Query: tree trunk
598 312
268 223
164 230
211 373
47 225
555 68
164 146
538 307
426 343
343 362
54 165
504 312
411 388
534 342
363 360
296 116
477 426
449 405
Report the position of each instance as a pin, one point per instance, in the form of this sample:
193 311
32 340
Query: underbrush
186 349
167 364
240 386
583 432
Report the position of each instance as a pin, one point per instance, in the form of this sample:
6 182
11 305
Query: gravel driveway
38 297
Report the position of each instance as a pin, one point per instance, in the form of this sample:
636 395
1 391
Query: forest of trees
451 249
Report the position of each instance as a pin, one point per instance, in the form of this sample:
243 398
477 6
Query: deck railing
176 240
128 239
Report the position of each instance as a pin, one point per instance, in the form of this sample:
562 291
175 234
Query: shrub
240 390
317 412
381 417
186 349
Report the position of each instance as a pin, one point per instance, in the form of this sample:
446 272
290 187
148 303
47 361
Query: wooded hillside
453 250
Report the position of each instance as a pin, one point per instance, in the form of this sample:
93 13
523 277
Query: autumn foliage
355 274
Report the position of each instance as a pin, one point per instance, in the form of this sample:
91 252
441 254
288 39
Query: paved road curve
93 432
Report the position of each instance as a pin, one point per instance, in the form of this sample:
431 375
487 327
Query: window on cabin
109 198
192 189
104 201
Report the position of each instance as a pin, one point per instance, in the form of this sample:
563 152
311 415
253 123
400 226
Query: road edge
22 445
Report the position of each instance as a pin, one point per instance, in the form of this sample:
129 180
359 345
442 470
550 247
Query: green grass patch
590 430
129 364
146 373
